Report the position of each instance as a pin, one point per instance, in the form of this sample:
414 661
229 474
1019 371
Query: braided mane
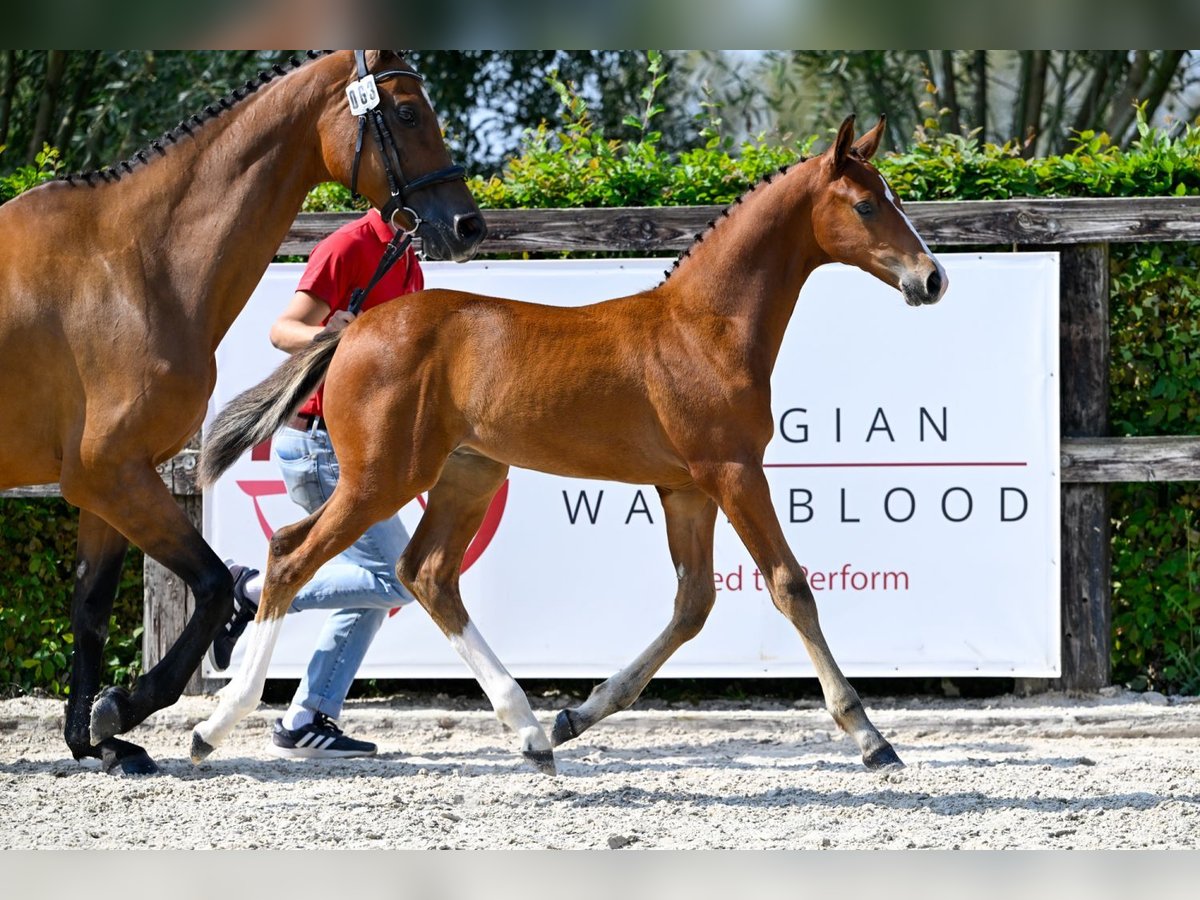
188 126
724 213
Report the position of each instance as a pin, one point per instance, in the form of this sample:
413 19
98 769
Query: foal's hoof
201 749
883 758
121 758
107 714
543 760
564 728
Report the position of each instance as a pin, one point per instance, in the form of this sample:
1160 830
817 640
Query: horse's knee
214 582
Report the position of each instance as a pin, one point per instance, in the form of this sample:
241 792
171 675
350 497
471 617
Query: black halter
364 103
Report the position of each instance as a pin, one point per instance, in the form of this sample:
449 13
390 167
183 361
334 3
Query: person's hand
337 322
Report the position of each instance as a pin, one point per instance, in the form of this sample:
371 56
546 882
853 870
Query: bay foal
116 287
670 387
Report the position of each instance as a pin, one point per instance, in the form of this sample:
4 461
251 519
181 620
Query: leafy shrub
1155 304
36 581
46 166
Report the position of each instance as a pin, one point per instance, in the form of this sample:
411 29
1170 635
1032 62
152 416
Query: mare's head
857 220
433 198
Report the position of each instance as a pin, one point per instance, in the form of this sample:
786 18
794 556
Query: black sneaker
321 739
244 611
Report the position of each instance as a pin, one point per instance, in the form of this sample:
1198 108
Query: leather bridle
363 95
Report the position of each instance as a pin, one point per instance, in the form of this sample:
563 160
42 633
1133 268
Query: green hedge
1155 351
37 538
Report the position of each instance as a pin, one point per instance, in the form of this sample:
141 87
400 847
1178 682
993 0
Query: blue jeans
359 583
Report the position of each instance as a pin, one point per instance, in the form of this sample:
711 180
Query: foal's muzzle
926 286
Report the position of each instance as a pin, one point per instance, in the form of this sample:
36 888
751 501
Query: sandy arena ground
1102 772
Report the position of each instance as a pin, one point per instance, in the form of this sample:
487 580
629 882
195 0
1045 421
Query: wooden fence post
1086 542
168 603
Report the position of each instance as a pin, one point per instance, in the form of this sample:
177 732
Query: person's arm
301 322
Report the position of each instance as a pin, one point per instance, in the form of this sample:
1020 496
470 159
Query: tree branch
1160 79
1034 100
979 68
56 63
949 93
6 94
1122 112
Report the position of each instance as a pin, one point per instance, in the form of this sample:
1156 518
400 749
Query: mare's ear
837 153
864 148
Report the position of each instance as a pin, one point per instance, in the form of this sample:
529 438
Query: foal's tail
254 415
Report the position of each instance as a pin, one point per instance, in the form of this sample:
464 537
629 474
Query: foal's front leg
744 495
691 515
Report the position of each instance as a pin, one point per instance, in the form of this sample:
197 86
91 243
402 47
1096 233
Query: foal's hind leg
745 497
430 569
690 515
296 552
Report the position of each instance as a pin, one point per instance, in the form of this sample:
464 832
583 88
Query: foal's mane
189 125
725 213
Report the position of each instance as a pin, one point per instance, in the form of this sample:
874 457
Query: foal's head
450 222
858 221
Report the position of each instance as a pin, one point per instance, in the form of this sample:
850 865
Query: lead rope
391 253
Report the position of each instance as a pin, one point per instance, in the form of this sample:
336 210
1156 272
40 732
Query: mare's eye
407 115
864 208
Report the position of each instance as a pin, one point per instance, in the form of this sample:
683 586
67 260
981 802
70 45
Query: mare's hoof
120 758
107 719
201 749
543 760
883 758
564 728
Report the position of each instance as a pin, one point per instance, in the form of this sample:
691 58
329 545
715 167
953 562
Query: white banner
915 471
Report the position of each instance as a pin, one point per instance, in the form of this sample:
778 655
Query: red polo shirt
346 260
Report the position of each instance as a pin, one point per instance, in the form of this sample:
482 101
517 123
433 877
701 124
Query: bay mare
116 287
445 390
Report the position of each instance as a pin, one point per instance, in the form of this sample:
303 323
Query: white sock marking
506 696
242 694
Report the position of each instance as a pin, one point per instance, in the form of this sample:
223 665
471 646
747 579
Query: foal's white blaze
506 696
891 198
241 696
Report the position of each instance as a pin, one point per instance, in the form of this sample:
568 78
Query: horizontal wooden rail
947 223
1084 461
1121 460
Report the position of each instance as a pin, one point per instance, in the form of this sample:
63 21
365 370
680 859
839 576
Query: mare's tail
254 415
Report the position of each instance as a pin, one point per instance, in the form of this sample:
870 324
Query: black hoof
543 760
201 749
883 758
121 758
564 728
107 719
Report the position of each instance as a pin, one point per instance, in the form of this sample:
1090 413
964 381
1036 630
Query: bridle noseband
363 95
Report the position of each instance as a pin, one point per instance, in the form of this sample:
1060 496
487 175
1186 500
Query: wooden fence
1079 229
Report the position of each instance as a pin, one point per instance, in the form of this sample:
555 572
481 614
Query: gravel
1108 771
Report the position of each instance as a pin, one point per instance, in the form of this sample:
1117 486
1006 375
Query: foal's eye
864 208
407 115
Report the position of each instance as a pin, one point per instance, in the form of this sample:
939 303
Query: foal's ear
841 145
864 148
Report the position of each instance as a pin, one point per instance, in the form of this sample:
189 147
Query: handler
359 584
